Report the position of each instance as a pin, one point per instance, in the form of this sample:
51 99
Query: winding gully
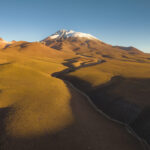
70 68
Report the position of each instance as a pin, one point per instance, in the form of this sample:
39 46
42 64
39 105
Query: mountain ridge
83 44
90 46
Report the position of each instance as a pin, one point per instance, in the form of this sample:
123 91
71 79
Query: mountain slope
87 45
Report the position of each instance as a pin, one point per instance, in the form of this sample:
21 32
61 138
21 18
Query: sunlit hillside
40 111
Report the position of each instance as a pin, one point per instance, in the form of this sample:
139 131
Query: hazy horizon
124 23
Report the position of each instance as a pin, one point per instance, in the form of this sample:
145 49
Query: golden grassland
40 104
30 99
132 86
102 73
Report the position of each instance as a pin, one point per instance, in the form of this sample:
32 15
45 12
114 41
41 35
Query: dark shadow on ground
90 131
142 124
8 63
123 99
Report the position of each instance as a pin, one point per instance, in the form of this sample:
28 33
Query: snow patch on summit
70 33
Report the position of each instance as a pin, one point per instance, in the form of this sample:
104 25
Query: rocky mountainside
88 45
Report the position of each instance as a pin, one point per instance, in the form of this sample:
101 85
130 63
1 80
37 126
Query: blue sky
117 22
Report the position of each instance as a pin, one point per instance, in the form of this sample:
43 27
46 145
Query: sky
117 22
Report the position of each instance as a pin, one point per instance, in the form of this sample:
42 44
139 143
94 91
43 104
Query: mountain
90 46
74 43
69 40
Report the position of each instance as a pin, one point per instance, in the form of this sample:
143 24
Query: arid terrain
72 91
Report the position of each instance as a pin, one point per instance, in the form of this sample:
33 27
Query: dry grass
102 73
40 104
29 90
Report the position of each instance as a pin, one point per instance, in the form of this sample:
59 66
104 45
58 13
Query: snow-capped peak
70 33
